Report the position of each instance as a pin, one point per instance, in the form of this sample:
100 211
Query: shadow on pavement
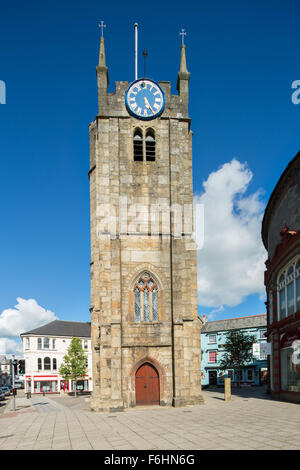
243 392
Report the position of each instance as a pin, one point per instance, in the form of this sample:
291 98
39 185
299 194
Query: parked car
6 390
2 394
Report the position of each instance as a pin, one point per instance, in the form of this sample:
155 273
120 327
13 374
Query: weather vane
101 26
182 34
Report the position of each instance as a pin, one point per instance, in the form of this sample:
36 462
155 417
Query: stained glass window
137 305
146 305
155 305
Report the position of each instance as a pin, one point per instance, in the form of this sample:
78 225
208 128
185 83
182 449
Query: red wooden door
147 385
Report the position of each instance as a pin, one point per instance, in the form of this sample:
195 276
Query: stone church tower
145 325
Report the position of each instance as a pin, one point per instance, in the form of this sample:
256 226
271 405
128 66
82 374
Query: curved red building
281 237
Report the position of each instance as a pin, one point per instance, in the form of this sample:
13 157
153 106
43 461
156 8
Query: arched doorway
147 385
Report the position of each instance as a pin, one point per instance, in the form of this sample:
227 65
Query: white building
44 349
5 371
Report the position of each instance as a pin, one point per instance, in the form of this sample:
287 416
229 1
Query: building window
85 344
54 364
155 304
262 334
239 375
290 362
46 343
212 339
144 148
81 385
39 343
250 374
138 146
47 386
137 304
47 363
53 343
271 307
27 343
150 146
146 299
39 362
288 289
212 356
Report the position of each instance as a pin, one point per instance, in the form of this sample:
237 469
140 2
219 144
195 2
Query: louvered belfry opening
150 146
138 146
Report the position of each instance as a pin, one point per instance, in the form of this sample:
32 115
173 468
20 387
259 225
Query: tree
74 362
237 351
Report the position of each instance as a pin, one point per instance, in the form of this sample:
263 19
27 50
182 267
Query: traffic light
15 366
21 366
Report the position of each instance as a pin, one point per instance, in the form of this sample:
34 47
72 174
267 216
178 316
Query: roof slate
63 328
235 323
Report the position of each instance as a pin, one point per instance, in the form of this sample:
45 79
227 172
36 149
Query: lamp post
13 383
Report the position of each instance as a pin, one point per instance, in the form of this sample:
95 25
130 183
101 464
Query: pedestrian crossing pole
13 384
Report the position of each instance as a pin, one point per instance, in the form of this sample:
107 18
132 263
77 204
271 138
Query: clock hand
147 104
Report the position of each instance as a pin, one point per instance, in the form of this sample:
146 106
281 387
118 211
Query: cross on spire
182 34
101 26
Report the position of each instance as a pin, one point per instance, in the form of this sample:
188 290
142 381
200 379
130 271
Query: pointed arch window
137 304
155 304
145 299
150 145
138 146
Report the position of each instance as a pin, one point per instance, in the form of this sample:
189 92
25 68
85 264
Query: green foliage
237 350
74 362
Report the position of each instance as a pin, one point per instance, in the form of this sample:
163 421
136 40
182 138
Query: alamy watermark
2 92
296 94
185 222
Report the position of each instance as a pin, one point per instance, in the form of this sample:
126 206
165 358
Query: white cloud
231 262
9 346
25 316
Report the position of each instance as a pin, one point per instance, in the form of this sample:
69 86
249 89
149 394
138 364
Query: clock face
145 99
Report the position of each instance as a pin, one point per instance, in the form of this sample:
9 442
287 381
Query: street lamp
13 363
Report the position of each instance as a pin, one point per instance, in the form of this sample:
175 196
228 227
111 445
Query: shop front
290 363
45 384
81 385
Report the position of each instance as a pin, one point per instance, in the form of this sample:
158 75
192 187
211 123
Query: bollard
227 389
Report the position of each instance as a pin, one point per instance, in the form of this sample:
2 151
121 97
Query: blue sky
243 58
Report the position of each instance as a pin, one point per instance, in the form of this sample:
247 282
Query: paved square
250 421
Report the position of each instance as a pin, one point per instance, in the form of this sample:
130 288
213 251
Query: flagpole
136 50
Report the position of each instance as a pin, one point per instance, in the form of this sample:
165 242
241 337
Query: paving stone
261 424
